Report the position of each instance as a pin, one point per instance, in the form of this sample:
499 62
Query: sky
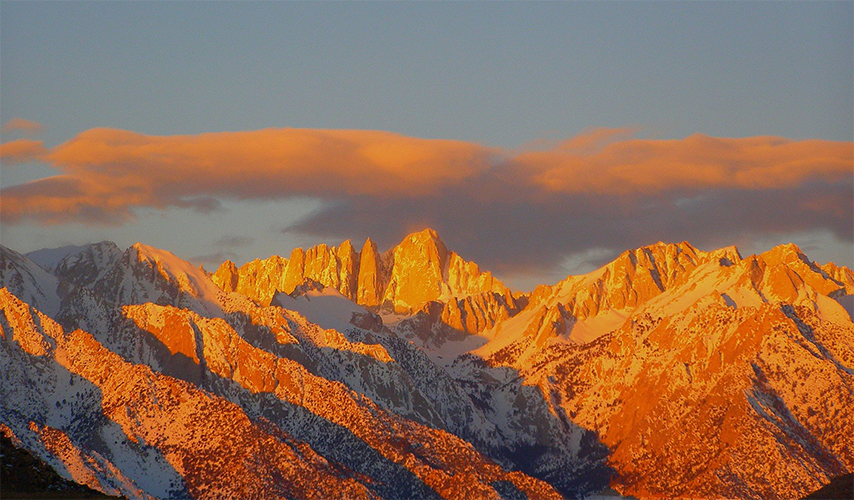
538 139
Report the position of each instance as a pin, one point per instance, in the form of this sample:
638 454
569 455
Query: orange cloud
272 162
107 173
21 151
697 162
29 127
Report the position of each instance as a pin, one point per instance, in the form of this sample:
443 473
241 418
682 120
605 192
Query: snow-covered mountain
79 265
145 416
690 365
32 284
669 372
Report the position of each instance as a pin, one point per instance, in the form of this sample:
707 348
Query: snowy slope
80 265
147 274
325 307
30 282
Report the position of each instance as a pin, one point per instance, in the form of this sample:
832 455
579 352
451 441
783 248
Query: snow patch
327 308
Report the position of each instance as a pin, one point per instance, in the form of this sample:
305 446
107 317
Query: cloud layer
21 151
528 208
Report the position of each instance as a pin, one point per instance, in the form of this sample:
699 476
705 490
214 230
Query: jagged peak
633 277
369 246
278 259
102 243
227 265
671 248
144 250
297 254
6 250
345 245
667 244
787 253
728 254
424 240
426 233
424 237
30 282
790 247
660 248
227 276
652 256
166 259
840 274
833 269
141 252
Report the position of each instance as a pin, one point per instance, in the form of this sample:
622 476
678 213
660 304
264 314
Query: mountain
78 265
418 270
31 283
146 417
418 275
669 372
690 365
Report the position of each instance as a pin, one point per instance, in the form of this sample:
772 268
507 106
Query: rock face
423 270
372 276
669 372
403 280
175 431
261 279
30 282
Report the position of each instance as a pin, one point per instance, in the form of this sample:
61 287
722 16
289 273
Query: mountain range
669 372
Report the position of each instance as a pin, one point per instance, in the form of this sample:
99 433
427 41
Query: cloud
108 173
695 163
270 163
512 237
28 127
511 210
21 151
233 241
213 259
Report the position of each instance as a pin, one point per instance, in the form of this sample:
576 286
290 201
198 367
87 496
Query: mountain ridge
660 374
392 280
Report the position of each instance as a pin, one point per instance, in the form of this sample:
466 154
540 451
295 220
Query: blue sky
501 75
